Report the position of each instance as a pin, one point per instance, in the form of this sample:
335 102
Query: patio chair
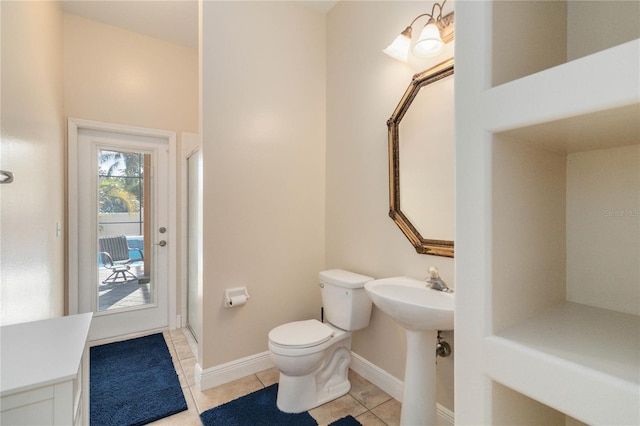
114 251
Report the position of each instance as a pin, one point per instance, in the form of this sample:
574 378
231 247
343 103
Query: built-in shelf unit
555 195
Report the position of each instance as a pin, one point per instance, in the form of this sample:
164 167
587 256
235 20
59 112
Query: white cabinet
548 216
45 372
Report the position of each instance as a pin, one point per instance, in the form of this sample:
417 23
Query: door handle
162 243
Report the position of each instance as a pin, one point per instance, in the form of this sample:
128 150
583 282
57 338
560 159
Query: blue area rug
133 383
346 421
259 409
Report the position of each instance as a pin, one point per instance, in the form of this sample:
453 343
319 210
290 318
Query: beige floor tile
191 417
369 419
366 392
228 392
182 378
389 412
269 377
176 361
190 340
183 350
172 350
176 364
188 369
168 341
176 333
178 337
337 409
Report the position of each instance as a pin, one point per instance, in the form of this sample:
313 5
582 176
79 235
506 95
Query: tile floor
366 402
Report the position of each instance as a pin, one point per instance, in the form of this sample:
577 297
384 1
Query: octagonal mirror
421 162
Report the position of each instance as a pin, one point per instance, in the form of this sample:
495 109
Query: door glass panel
124 259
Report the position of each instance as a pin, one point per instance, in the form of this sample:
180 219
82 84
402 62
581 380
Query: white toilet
314 357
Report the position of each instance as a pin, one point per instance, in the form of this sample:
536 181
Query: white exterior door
122 232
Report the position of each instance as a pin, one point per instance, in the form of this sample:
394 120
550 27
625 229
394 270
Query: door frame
73 127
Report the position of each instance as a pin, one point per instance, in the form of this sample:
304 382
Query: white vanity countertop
39 353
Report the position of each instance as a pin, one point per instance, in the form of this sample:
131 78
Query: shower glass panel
193 237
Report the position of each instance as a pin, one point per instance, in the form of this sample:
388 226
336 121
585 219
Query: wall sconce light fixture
436 33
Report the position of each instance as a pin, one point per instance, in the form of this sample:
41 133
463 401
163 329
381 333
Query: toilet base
297 394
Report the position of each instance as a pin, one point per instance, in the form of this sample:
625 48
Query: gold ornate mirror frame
421 244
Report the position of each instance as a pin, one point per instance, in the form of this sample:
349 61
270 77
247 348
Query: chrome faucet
435 282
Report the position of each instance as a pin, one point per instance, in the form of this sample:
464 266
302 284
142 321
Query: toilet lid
301 334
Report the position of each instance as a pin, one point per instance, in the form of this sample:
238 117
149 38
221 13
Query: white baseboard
377 376
393 386
230 371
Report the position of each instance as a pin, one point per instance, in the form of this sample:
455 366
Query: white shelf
580 360
605 129
603 81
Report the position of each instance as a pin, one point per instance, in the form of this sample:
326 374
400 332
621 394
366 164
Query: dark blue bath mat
259 409
346 421
256 409
133 383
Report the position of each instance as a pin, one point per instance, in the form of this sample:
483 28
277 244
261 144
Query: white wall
528 186
589 29
33 146
263 146
603 228
122 77
363 88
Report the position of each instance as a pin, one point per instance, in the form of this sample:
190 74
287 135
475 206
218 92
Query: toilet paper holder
236 296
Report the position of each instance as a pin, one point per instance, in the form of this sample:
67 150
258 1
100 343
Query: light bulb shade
429 43
399 49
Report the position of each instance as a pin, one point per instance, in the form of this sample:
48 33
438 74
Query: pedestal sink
422 312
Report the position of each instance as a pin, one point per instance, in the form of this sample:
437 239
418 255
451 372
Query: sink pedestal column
419 399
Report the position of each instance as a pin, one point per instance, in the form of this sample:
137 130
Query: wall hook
6 177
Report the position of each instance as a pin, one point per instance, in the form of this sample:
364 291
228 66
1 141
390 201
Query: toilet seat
301 334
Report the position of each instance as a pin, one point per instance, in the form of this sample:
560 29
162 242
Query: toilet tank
346 303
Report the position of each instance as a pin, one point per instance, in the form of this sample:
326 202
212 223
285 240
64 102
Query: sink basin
413 305
422 311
